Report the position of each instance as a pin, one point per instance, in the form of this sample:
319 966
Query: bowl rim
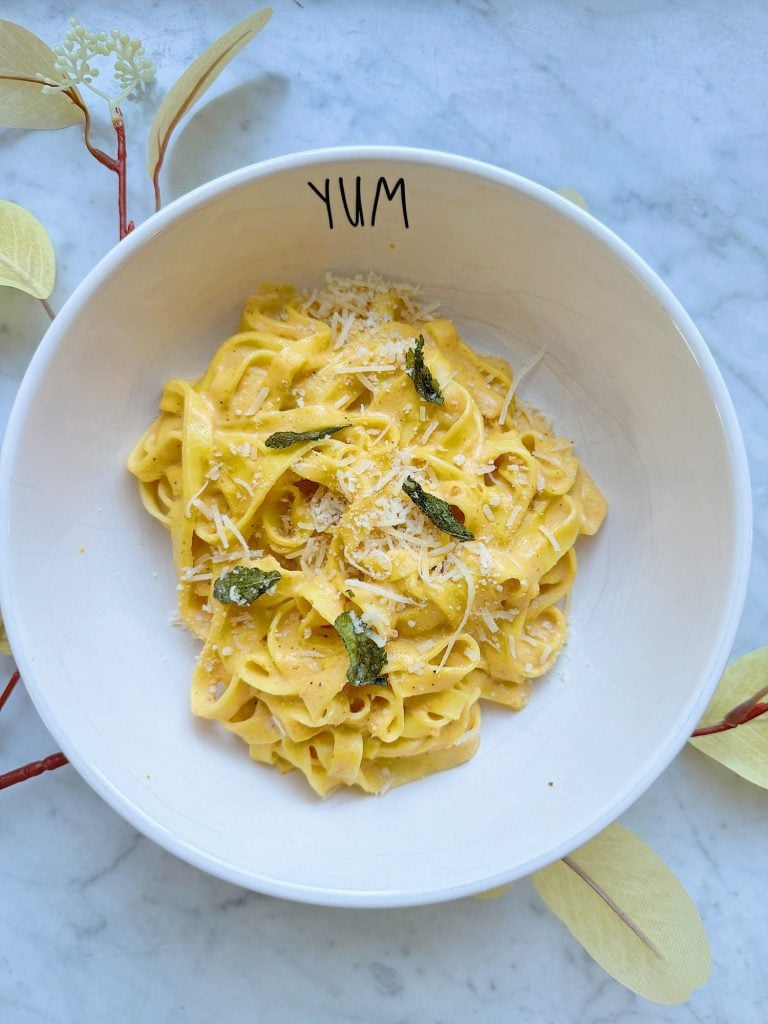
739 483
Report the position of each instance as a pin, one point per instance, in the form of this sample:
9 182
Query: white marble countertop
657 113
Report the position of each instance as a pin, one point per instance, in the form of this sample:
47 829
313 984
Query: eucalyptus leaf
630 913
4 645
23 104
27 260
193 84
573 196
744 748
494 894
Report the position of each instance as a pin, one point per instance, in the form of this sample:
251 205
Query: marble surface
657 113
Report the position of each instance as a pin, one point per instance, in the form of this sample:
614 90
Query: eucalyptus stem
10 686
98 154
745 712
121 170
27 771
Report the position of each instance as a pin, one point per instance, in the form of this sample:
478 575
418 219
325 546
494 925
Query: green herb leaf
436 510
366 658
425 384
242 585
285 438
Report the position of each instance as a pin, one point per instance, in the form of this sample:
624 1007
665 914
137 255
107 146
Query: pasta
371 535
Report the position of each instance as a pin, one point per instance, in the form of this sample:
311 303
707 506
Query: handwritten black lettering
358 203
382 185
326 198
356 215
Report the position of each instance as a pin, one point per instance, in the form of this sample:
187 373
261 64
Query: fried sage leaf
425 384
242 585
366 658
285 438
436 510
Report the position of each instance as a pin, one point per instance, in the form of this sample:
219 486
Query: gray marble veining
657 113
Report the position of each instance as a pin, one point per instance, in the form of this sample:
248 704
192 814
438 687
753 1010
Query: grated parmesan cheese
258 401
189 575
525 371
550 537
462 568
193 502
227 522
489 620
384 480
278 725
486 561
429 431
218 523
246 486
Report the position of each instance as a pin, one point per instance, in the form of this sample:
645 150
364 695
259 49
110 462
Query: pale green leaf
575 197
27 260
4 647
193 83
23 104
631 914
743 749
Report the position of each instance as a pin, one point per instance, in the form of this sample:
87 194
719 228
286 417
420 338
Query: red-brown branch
10 687
121 170
96 153
745 712
117 165
73 95
27 771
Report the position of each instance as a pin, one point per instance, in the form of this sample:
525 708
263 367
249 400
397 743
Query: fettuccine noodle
449 620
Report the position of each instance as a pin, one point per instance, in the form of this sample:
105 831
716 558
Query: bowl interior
88 584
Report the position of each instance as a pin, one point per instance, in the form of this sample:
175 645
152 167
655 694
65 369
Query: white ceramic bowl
656 602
